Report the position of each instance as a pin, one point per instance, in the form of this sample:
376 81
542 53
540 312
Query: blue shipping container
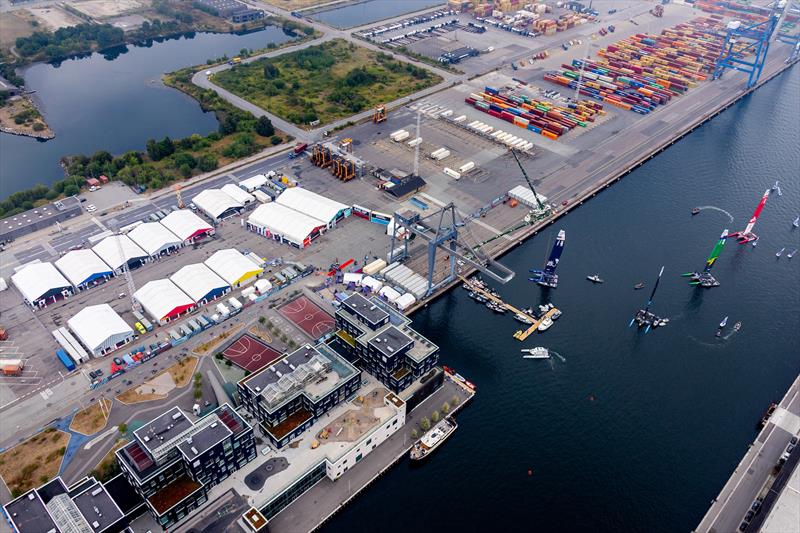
65 359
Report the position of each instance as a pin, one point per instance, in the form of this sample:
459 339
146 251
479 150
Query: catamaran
643 317
704 278
548 276
747 234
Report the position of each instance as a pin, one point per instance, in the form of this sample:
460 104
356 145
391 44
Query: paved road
747 480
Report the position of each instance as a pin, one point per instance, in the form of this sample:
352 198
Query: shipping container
466 167
66 360
452 173
11 367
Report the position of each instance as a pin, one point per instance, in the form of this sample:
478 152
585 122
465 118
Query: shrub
435 416
425 424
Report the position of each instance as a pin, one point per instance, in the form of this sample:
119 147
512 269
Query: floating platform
521 335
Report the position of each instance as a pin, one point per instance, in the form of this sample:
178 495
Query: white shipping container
437 151
466 167
395 133
415 142
498 133
447 113
401 136
452 173
262 197
461 118
442 155
473 123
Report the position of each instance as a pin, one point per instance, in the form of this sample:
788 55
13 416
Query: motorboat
737 326
545 324
796 222
638 286
780 252
539 352
545 308
724 322
695 210
755 243
556 314
791 254
595 278
776 186
522 318
433 439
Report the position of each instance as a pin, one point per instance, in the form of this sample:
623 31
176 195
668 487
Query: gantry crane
542 210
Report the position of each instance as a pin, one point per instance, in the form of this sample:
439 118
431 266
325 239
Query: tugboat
595 278
536 353
545 324
638 286
432 439
695 210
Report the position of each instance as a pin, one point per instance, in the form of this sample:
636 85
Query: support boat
433 439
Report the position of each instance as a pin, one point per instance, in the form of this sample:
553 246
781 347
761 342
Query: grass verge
92 419
181 373
34 461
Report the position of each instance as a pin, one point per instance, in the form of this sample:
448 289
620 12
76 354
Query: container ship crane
747 234
548 276
705 278
646 319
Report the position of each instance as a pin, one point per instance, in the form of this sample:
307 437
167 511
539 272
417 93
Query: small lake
371 11
115 101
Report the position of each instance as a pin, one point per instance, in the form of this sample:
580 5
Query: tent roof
108 250
311 203
231 265
237 193
153 237
37 279
256 182
278 218
215 202
161 297
95 324
185 224
197 280
80 265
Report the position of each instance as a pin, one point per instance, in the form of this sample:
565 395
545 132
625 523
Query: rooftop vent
176 416
213 424
95 524
31 496
194 450
97 491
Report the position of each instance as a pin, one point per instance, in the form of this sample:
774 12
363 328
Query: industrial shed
41 283
314 205
217 204
187 226
234 267
254 183
100 329
108 251
284 224
238 194
163 300
83 268
200 283
155 239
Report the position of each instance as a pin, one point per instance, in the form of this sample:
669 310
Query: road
748 478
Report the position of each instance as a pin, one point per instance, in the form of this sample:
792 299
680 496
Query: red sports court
308 316
249 353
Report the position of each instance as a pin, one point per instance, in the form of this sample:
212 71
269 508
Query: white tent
100 329
390 294
108 251
256 182
83 267
238 194
352 277
313 205
39 281
233 266
200 283
405 301
216 204
372 283
163 300
274 219
262 286
154 238
186 225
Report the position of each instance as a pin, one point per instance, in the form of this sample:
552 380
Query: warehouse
163 300
254 183
155 239
284 224
187 226
234 267
83 268
200 283
314 205
100 329
238 194
109 251
217 204
40 284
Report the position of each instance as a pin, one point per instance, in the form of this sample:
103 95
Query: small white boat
522 318
791 254
724 322
755 242
780 252
556 314
594 278
545 308
776 186
545 324
796 222
539 352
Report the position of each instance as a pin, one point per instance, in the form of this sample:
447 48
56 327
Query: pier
521 335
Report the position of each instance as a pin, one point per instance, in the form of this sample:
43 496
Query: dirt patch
102 9
92 419
157 388
208 346
34 461
300 4
55 17
14 24
108 467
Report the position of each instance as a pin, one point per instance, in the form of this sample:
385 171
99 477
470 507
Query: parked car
193 207
91 208
94 188
140 328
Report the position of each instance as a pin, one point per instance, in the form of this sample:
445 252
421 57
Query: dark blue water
371 11
673 410
115 102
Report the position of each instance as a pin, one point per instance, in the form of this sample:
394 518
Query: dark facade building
290 394
247 15
380 340
173 462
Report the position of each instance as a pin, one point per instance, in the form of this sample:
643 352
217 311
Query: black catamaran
643 317
548 276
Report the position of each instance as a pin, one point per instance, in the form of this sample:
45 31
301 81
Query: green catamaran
704 278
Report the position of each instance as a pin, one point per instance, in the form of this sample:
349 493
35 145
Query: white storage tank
466 167
452 173
415 142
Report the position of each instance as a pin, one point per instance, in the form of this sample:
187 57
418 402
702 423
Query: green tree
435 416
271 71
425 424
456 400
414 434
123 428
207 163
264 127
445 407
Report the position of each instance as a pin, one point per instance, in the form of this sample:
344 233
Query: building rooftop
123 494
172 494
390 341
29 514
358 305
204 439
162 429
97 507
51 489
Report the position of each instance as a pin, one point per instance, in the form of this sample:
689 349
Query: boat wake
714 208
558 355
729 335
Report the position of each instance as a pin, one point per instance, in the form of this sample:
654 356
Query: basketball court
250 353
308 316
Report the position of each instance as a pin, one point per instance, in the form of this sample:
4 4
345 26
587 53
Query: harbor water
633 432
365 12
115 101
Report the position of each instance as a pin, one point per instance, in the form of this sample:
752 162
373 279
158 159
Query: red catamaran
747 235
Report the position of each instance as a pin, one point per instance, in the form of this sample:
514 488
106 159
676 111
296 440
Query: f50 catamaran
747 235
548 276
643 317
704 278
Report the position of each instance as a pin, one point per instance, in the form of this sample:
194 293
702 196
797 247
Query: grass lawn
107 467
327 82
34 461
92 419
181 374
